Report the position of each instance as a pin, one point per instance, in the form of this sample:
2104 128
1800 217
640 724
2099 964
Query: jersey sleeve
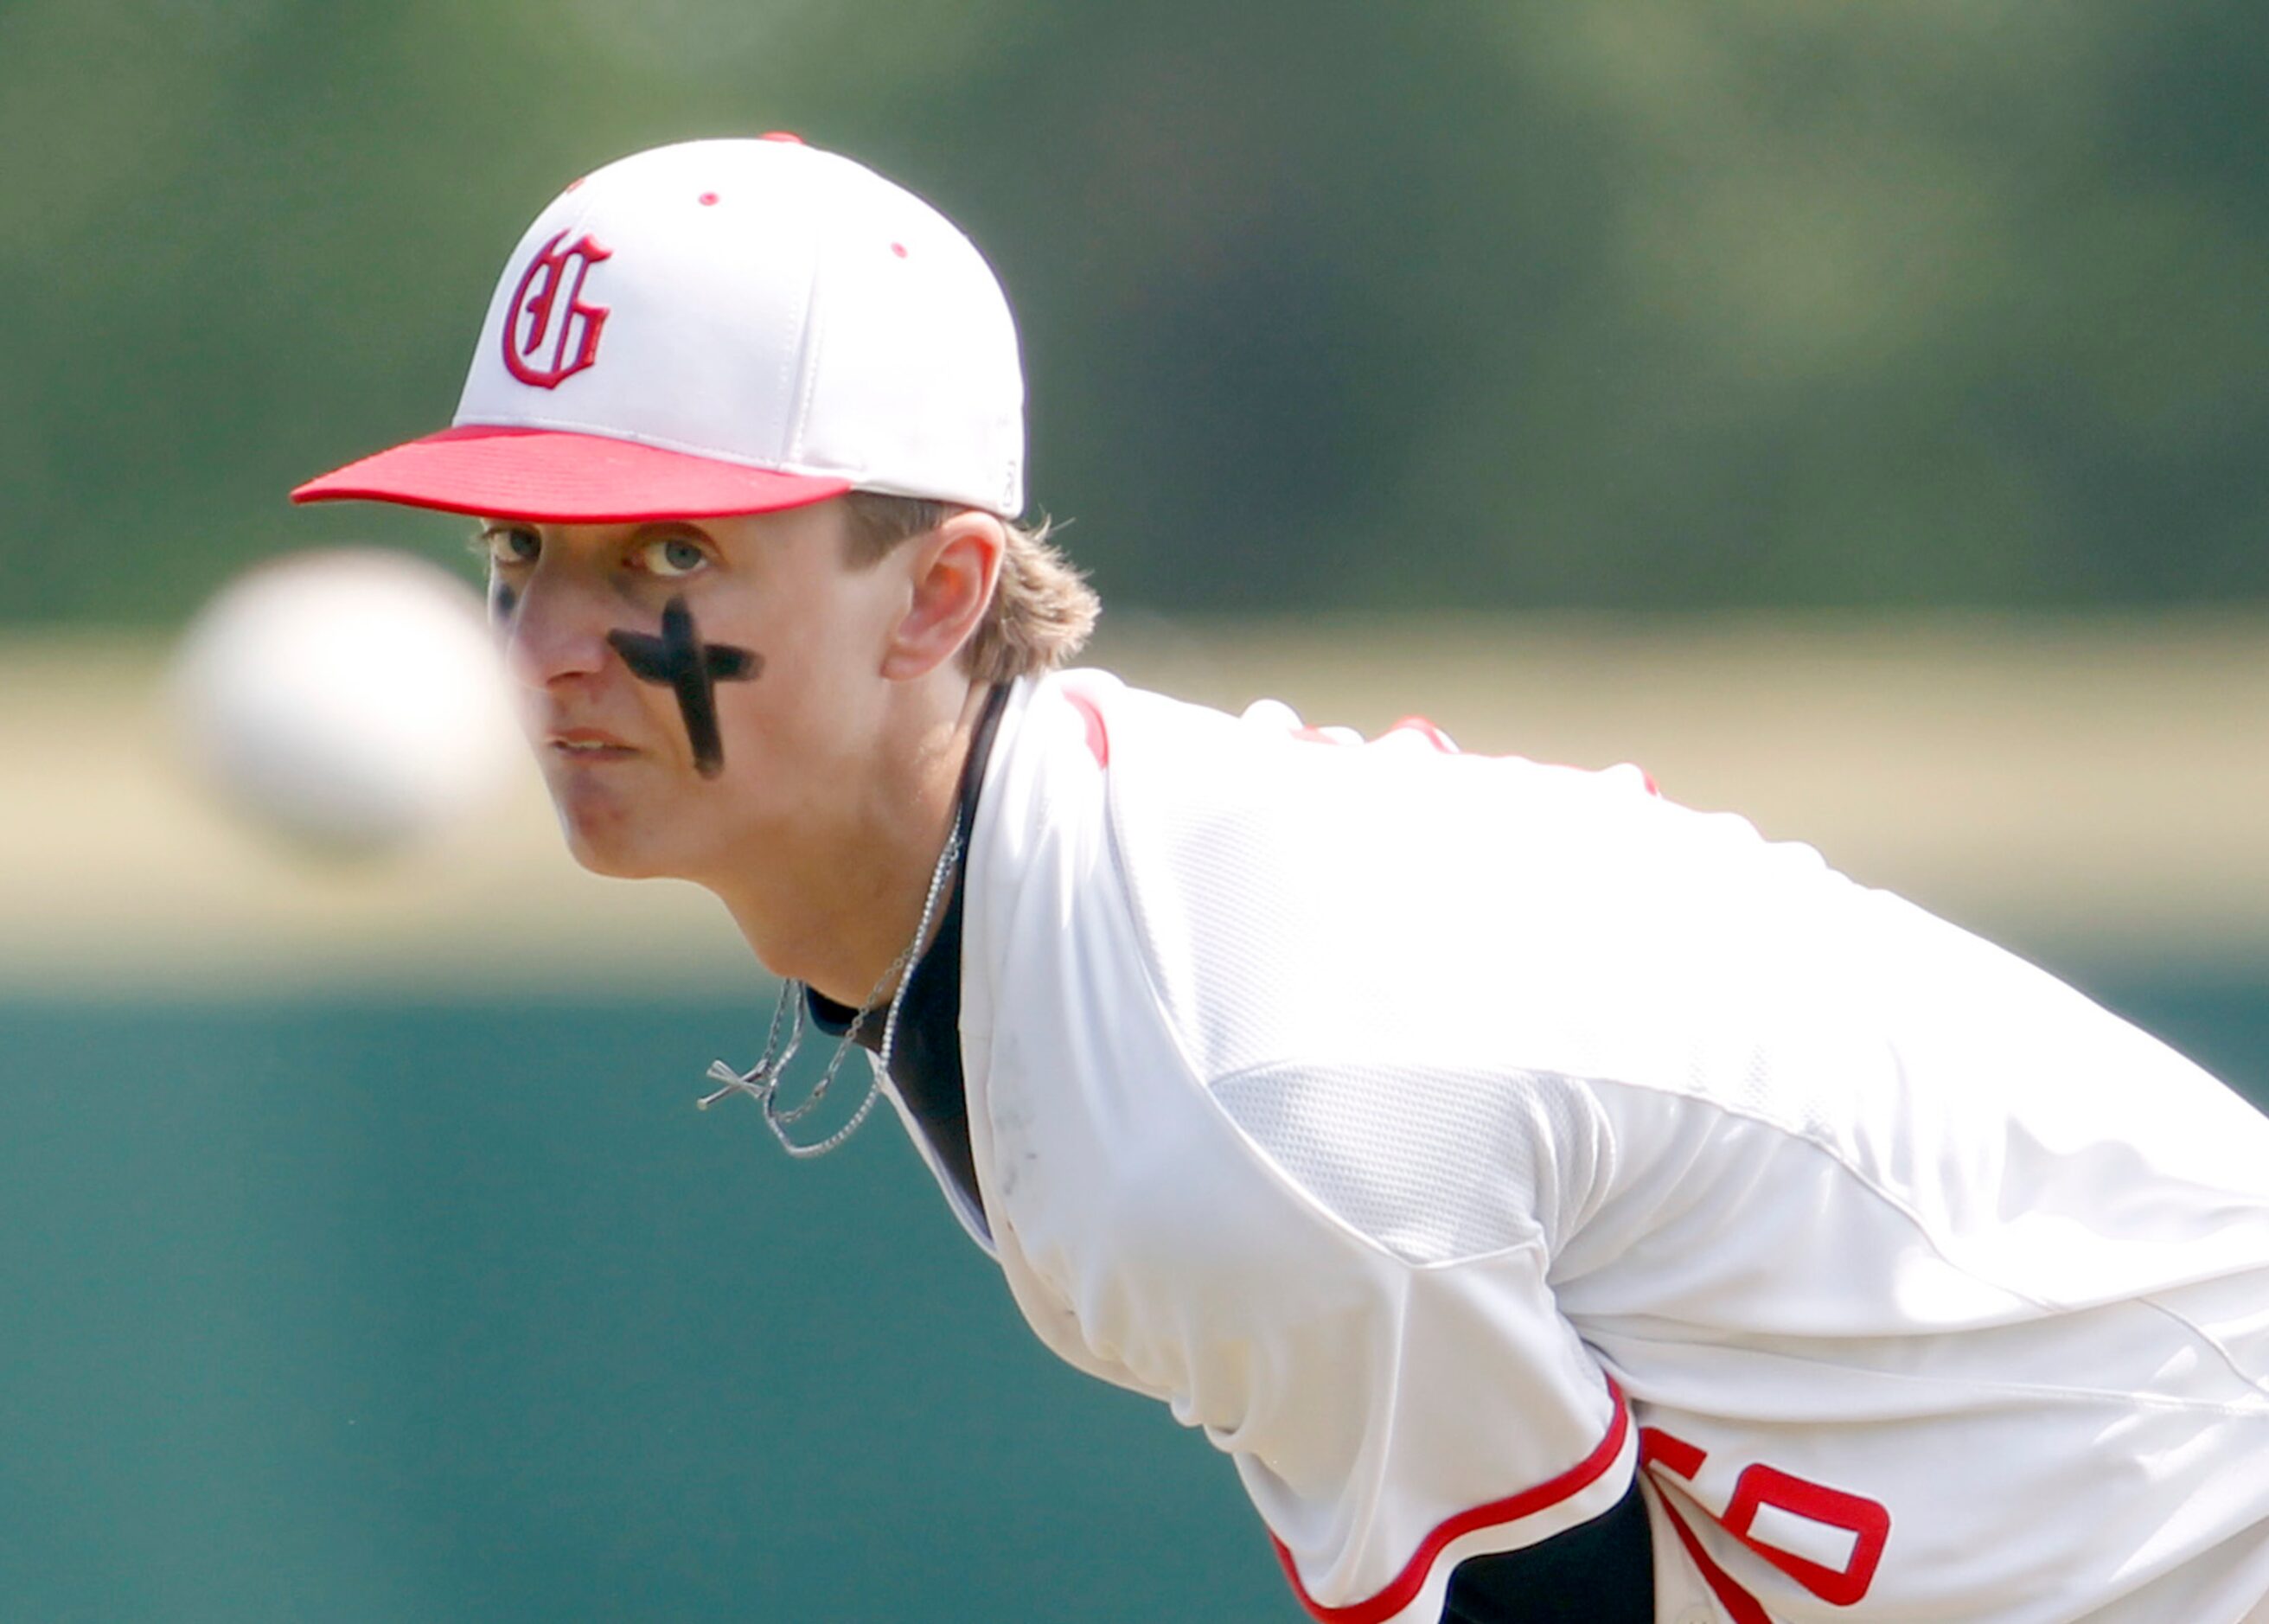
1333 935
1486 1426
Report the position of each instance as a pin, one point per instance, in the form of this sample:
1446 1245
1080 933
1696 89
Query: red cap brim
554 478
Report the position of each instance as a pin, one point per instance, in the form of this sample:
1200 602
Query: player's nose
551 630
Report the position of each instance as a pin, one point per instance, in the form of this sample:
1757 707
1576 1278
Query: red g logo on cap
550 334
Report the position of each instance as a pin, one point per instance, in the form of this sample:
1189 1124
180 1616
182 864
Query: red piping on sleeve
1405 1586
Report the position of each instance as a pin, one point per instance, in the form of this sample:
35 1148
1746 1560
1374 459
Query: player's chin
610 865
613 852
606 831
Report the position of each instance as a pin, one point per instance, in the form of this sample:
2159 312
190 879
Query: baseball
348 700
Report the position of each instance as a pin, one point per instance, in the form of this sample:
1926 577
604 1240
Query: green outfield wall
369 1312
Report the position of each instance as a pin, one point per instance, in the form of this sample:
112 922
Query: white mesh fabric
1434 1165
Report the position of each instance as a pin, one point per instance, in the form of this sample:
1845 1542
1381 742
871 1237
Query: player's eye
670 556
507 544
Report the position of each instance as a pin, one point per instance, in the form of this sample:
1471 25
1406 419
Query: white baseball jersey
1452 1138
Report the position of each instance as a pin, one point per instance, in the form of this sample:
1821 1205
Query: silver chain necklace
761 1084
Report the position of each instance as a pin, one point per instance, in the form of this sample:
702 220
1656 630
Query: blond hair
1042 608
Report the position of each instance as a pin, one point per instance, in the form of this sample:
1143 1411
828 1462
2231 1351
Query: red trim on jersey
1405 1586
1425 729
1740 1605
1098 737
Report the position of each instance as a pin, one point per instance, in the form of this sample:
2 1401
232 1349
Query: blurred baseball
347 699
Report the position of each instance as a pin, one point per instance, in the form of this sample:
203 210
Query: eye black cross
679 659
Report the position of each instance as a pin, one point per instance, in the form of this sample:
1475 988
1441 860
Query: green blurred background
1640 304
1858 414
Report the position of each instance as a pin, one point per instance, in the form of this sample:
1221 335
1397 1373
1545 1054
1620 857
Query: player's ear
951 574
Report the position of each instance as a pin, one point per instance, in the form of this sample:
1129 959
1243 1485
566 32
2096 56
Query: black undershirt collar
925 1055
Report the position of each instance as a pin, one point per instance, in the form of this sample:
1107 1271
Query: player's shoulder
1166 756
1296 889
1190 789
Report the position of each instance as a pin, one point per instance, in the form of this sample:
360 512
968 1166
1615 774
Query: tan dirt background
2083 790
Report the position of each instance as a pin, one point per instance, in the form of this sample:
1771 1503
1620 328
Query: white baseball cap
724 326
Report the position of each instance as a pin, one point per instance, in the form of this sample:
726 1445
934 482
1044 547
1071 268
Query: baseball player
1557 1203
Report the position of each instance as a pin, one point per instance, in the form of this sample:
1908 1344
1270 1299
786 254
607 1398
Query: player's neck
836 906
